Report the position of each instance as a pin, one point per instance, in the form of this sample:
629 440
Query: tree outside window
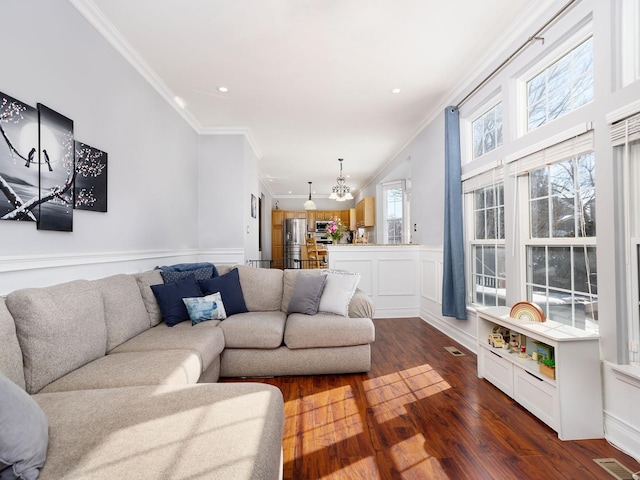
561 251
562 87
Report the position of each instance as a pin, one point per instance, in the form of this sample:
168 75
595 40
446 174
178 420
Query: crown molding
100 22
246 131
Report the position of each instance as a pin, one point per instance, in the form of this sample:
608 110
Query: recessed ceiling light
290 191
223 89
395 90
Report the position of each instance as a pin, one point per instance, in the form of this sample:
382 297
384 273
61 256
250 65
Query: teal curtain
454 293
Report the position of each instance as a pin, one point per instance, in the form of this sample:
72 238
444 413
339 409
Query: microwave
321 225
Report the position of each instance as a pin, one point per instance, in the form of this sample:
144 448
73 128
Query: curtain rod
534 37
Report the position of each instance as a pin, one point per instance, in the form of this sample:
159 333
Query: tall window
487 131
395 211
562 87
489 281
625 137
561 250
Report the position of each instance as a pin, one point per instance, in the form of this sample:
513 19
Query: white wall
54 56
228 176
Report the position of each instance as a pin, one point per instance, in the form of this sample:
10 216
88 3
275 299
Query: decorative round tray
527 311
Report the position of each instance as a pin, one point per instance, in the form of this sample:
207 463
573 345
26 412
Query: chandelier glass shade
341 191
309 204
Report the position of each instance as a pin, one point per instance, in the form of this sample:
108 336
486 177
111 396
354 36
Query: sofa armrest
361 305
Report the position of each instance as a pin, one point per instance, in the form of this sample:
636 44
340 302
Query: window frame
405 235
575 40
476 118
527 241
475 243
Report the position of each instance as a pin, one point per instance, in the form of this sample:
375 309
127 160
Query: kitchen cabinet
312 216
352 219
277 241
366 212
570 403
344 216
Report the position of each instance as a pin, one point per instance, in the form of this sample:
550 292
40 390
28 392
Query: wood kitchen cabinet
366 212
277 241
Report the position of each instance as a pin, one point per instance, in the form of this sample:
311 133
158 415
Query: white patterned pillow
206 308
339 289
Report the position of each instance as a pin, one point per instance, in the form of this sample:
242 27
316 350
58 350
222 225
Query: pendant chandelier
341 191
309 204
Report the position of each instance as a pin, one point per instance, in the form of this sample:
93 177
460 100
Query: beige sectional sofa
126 396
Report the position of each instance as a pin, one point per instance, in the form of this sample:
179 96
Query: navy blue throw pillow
170 295
229 287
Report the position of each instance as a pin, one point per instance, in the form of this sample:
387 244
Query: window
630 41
489 281
487 131
625 137
562 87
395 211
561 250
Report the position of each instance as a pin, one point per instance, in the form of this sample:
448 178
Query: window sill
629 372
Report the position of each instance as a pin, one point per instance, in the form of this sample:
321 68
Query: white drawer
497 370
537 396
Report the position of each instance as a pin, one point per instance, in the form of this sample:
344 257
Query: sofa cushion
254 330
170 295
306 294
206 339
124 310
262 288
361 305
338 292
202 309
160 367
23 433
229 287
289 283
10 354
145 280
326 330
196 432
60 328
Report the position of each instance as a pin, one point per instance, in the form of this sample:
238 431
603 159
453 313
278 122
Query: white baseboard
402 312
622 435
463 338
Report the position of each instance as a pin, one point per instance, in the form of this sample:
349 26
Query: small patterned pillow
206 308
200 274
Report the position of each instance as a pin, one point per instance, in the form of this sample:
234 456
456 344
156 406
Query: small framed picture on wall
254 206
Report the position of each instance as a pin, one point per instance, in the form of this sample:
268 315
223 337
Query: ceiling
310 81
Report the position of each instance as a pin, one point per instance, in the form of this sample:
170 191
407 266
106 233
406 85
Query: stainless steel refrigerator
295 234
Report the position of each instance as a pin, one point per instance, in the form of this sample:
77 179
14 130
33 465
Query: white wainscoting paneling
43 270
397 277
621 407
388 274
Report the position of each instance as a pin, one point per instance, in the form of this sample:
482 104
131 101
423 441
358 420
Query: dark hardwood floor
422 413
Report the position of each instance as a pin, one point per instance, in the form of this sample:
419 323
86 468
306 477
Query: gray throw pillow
24 433
306 294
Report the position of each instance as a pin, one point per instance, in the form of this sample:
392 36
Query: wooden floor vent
615 468
454 351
